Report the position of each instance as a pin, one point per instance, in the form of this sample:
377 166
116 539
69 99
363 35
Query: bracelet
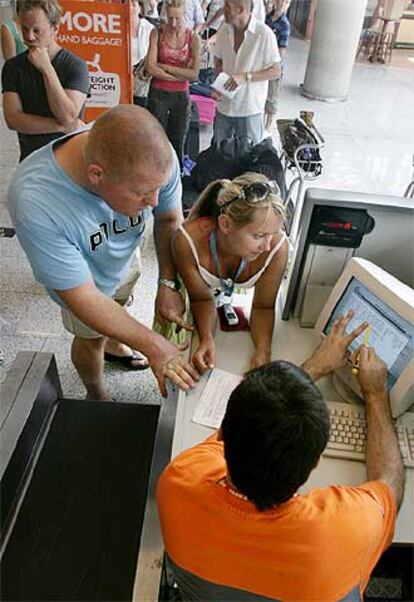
172 284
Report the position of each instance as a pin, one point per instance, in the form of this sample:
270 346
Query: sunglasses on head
257 191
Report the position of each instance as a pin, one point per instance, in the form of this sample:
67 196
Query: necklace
223 482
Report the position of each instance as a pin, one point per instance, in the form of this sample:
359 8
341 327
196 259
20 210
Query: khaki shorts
73 325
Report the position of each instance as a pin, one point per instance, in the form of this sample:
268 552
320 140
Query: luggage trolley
409 192
301 146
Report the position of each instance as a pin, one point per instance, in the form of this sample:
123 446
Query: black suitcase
192 143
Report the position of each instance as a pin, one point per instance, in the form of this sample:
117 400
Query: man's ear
95 174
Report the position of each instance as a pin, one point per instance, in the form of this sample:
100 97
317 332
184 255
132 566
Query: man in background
44 88
246 50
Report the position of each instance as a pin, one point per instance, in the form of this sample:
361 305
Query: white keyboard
348 431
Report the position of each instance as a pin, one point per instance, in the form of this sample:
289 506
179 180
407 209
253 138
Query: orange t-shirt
314 547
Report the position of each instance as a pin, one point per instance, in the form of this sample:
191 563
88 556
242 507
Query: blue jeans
250 127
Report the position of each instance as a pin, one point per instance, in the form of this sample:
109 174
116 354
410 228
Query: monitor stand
346 393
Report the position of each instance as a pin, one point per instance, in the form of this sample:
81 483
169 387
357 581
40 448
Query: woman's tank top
176 57
213 281
20 45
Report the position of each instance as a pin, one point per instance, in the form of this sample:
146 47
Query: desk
293 343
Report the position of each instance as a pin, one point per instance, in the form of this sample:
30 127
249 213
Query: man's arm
26 123
169 304
383 457
238 79
64 104
103 314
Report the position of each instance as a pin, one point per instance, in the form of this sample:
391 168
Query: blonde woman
233 237
173 61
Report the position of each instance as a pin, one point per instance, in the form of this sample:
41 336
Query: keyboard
348 432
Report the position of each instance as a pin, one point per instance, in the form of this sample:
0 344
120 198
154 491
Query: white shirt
258 10
258 51
140 43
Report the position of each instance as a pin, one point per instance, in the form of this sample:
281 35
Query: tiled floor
369 147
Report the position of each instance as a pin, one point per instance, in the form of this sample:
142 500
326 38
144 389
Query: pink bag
206 108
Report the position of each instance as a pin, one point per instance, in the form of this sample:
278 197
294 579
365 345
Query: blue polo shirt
71 235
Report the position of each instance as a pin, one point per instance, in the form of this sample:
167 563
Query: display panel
391 335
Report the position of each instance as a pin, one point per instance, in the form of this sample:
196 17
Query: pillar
338 25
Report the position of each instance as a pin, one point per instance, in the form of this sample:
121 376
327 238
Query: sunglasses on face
255 192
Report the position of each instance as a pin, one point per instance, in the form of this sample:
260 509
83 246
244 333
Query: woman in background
11 37
173 61
233 237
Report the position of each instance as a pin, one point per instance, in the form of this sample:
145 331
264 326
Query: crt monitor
388 305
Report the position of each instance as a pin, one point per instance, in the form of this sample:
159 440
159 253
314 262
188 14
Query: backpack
228 160
264 159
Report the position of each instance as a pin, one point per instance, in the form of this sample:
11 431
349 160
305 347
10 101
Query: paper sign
99 33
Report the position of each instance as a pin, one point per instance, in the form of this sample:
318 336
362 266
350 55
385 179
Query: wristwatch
248 77
174 285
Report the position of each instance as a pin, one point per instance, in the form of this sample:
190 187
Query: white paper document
218 84
214 398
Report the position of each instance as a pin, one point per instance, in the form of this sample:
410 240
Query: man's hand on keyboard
333 352
372 374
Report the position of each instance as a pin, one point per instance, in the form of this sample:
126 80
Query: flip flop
126 361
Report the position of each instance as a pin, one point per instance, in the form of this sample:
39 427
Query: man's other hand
169 362
333 351
77 124
372 373
235 81
170 307
39 57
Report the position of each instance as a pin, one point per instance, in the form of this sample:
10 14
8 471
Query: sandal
127 361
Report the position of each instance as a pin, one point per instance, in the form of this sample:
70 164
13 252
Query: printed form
213 401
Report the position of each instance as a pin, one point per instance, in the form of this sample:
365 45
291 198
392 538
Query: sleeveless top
20 45
176 57
213 281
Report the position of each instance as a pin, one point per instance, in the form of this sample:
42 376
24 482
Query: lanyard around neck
226 284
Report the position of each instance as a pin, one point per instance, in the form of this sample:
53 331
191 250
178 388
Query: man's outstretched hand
333 352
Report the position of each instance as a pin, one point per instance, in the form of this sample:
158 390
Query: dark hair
275 428
51 8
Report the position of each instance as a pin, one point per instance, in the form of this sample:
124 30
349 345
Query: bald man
79 206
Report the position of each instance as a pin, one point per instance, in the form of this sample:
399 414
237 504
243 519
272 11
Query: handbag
141 79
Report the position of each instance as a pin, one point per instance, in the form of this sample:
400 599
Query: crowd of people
80 201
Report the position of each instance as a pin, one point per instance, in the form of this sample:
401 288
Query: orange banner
99 32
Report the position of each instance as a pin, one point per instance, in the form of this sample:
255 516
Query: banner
99 33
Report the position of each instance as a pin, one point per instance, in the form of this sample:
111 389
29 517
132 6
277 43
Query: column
338 25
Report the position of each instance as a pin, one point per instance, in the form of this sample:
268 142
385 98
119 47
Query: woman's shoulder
199 228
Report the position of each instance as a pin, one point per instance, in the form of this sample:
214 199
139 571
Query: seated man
44 89
235 526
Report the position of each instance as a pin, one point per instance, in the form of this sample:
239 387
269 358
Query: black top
20 76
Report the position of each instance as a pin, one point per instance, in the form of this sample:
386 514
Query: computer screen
389 334
387 304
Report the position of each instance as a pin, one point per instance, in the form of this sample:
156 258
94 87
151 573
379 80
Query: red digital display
339 225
